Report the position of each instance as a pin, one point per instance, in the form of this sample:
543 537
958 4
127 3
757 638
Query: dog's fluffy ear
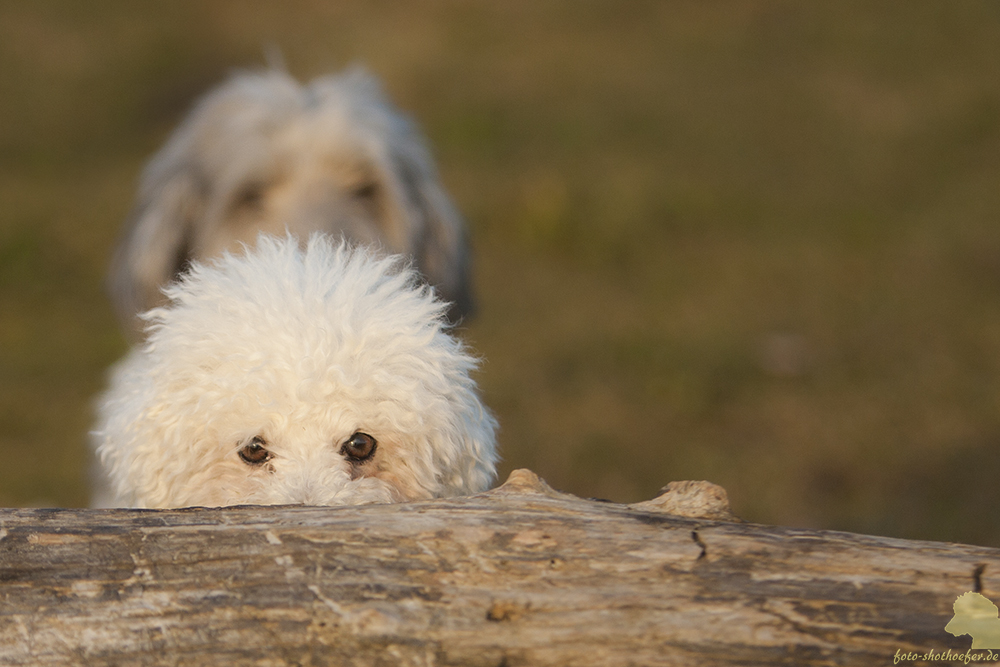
442 252
155 246
160 234
438 243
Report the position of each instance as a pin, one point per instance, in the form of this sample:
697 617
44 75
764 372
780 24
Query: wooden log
521 575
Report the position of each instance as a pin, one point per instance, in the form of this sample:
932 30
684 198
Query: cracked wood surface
521 575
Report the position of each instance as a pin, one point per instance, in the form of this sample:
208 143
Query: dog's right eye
250 197
254 453
366 191
359 447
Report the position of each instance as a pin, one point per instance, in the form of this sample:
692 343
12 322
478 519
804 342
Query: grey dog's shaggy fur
264 153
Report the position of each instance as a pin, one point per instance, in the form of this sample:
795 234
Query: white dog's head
322 375
262 153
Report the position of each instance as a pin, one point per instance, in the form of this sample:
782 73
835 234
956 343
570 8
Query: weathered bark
521 575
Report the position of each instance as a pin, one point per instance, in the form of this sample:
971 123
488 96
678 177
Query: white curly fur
302 347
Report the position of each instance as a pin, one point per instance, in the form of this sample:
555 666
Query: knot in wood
692 499
505 610
524 482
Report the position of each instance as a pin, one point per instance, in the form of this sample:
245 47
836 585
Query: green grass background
751 242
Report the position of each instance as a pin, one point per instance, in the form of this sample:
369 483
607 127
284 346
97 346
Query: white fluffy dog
264 153
320 375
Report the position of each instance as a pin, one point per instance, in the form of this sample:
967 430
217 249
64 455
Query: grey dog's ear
162 230
437 240
154 247
442 251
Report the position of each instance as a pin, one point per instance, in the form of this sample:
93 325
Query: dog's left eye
254 452
359 447
250 197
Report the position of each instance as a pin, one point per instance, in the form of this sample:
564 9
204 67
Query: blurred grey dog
262 153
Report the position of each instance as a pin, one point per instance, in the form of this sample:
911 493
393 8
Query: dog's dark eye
359 447
254 452
366 191
250 197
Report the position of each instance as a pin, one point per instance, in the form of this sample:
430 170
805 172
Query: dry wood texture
521 575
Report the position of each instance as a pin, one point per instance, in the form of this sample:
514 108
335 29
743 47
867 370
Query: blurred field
756 243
